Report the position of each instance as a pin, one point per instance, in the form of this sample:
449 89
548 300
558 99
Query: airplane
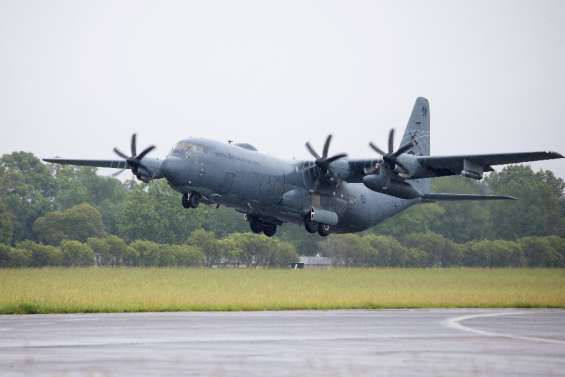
329 194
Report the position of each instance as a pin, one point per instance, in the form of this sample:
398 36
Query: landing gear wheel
269 229
324 230
255 226
310 226
185 202
194 200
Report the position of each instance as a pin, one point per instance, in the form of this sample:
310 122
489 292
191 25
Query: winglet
553 155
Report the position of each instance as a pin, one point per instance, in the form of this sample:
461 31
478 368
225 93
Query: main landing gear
257 226
192 200
312 226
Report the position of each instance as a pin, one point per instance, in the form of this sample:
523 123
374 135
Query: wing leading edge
115 164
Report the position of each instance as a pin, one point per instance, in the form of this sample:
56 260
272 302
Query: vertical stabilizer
418 128
418 131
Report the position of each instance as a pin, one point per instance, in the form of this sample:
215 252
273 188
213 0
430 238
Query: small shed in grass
312 262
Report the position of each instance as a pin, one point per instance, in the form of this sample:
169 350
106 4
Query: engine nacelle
399 189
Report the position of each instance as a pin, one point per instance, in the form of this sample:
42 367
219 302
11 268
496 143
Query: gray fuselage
240 177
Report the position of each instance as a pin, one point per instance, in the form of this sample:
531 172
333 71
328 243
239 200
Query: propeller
390 159
134 161
323 162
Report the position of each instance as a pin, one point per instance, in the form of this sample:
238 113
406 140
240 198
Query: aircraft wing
116 164
453 165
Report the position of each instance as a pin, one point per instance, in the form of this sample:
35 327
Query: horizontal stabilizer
432 197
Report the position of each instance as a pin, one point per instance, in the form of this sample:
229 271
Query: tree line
202 249
250 250
434 250
49 205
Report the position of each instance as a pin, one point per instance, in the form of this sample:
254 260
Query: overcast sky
78 77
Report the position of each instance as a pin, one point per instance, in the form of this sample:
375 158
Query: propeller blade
377 149
327 146
403 149
336 157
391 141
144 152
120 153
118 172
133 145
312 151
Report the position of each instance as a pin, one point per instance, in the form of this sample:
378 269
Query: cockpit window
185 146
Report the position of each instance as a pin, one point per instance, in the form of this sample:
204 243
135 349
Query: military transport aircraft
326 194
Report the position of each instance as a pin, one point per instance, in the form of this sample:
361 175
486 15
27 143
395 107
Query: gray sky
78 77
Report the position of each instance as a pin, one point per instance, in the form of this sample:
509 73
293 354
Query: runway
438 342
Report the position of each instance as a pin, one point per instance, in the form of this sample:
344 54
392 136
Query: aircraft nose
166 168
172 170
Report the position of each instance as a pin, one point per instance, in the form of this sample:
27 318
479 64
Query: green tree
149 252
119 249
283 255
386 251
76 253
110 250
76 223
131 257
439 250
305 243
488 253
5 251
26 190
463 221
537 210
231 250
558 244
207 242
347 249
19 258
256 250
153 212
181 255
415 257
540 252
417 219
222 221
6 224
81 184
42 255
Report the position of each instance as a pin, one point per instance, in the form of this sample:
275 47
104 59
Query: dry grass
58 290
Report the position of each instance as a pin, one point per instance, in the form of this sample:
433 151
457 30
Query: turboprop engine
385 185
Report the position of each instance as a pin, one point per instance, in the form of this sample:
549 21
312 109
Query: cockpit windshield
188 147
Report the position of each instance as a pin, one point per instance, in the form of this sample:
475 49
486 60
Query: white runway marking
455 323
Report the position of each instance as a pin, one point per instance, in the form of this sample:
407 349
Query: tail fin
418 132
418 128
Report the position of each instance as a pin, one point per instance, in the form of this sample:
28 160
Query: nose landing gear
192 200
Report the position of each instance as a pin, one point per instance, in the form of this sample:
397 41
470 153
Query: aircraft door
227 182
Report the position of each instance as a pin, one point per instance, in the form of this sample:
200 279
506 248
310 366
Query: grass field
59 290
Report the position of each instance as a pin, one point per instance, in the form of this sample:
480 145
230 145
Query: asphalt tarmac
438 342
